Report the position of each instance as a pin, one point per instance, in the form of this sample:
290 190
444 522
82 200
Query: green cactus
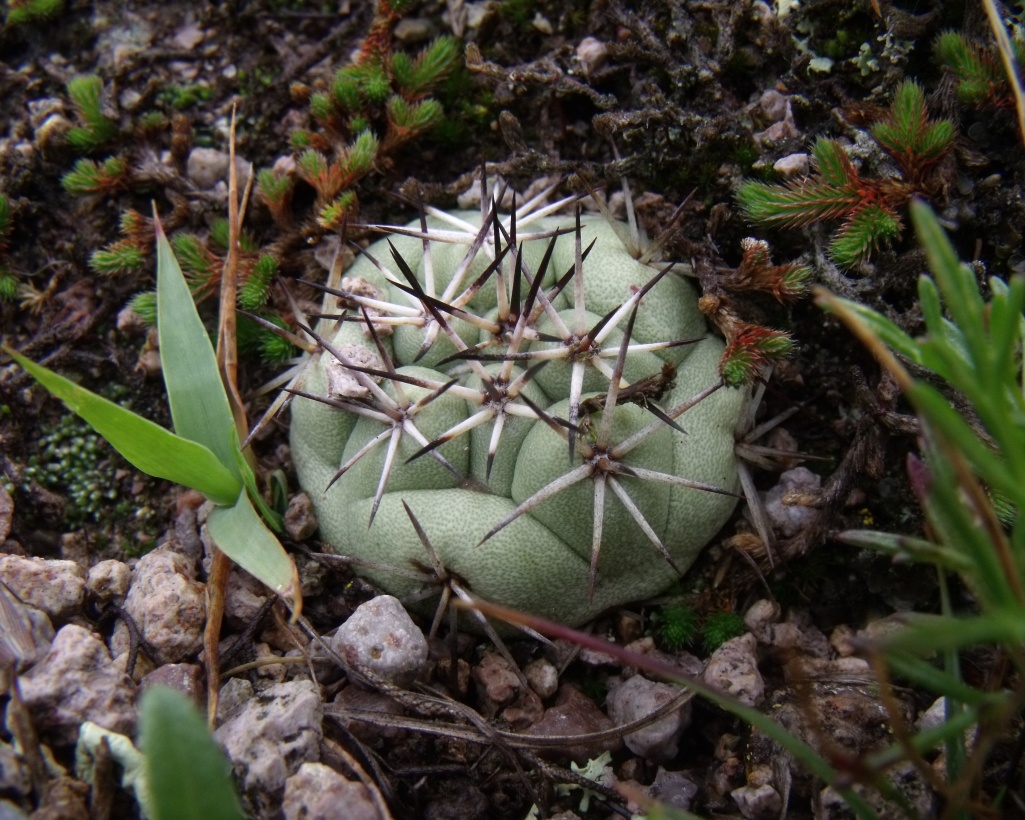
527 399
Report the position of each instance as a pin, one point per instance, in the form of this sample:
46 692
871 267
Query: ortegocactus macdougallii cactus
549 408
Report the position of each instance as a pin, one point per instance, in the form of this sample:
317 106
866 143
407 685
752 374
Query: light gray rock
233 697
109 580
733 668
167 605
76 682
380 635
56 587
790 519
267 742
673 789
317 792
206 167
758 802
637 697
542 677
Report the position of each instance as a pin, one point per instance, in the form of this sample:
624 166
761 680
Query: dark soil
673 109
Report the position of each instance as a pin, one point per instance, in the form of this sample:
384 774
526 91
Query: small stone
267 742
14 776
592 54
773 105
542 24
300 519
244 597
317 792
411 31
232 698
789 519
188 36
733 668
842 639
760 615
497 683
793 165
758 802
673 789
186 678
167 605
637 697
542 677
206 167
354 698
55 587
575 714
76 682
109 580
6 514
380 635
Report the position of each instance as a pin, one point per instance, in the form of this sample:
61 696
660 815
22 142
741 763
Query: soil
666 96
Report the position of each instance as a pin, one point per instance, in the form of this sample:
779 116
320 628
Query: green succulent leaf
147 446
186 771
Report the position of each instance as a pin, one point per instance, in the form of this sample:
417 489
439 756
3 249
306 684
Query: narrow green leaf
249 479
199 405
935 633
905 546
245 539
886 330
147 446
187 773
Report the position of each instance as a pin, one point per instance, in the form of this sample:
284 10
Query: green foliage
253 292
5 217
720 627
144 305
187 774
97 129
677 626
182 97
868 208
8 286
414 118
204 452
415 78
118 258
274 187
20 12
75 462
977 69
89 177
974 345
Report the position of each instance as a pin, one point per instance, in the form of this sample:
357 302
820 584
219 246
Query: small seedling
720 627
868 208
677 626
204 453
96 129
979 73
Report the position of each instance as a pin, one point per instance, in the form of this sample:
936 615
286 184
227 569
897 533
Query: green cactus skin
540 561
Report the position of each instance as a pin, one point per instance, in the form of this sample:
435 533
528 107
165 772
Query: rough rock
733 668
232 698
497 683
673 789
380 635
75 682
206 167
637 697
542 677
790 519
167 605
364 700
575 714
56 587
187 678
758 802
276 732
300 519
317 792
109 580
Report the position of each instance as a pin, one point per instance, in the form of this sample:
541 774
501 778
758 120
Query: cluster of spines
522 302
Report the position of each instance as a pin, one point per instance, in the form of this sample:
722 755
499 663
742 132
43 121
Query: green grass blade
147 446
187 773
245 539
199 404
882 327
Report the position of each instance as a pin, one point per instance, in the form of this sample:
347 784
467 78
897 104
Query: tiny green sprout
89 177
117 259
977 69
144 305
332 217
86 94
720 627
204 453
20 12
413 118
677 626
253 292
415 78
8 286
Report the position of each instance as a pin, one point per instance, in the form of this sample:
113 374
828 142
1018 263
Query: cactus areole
549 408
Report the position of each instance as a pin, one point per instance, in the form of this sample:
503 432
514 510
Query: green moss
720 627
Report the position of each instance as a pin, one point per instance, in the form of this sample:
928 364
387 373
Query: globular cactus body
641 481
